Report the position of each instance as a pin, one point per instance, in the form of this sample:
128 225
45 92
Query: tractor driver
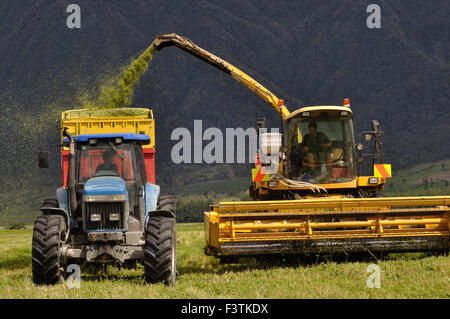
107 164
316 144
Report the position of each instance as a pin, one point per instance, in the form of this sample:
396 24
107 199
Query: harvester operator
316 146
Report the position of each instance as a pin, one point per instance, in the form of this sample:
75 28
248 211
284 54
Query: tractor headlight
114 216
95 217
373 180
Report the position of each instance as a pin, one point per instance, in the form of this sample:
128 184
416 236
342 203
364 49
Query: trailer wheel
160 248
48 235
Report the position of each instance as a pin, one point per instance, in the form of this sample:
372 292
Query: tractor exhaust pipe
71 172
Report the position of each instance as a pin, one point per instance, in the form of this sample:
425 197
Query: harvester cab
320 146
108 211
316 155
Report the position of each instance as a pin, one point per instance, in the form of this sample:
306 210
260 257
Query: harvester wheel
48 235
160 250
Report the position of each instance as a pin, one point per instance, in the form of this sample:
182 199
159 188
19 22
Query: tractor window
321 148
103 160
141 172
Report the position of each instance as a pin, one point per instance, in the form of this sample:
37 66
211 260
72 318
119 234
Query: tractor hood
105 185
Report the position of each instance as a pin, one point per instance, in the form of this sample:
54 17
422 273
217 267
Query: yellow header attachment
328 225
187 45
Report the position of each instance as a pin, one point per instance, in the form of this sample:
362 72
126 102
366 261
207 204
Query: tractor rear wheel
48 235
50 202
160 249
167 202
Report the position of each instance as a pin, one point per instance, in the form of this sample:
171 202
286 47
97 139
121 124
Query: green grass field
410 181
200 276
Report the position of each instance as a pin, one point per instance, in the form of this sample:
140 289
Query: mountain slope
309 53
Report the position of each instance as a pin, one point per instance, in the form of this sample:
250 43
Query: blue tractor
107 214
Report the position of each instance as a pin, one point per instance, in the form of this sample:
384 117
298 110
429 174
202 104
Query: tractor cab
109 174
320 145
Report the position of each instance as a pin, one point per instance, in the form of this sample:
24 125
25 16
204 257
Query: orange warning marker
382 170
259 174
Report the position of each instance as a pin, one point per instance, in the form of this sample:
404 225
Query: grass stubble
200 276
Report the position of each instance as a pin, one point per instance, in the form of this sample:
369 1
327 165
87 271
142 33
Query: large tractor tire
167 202
160 249
50 202
48 235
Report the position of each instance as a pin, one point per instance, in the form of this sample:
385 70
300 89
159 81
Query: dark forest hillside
309 53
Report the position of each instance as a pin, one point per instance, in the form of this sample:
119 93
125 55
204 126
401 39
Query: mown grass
200 276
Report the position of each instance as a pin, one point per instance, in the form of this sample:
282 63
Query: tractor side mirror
44 159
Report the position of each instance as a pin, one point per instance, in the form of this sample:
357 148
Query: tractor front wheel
48 235
160 249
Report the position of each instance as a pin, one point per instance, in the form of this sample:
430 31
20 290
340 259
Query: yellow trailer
98 121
